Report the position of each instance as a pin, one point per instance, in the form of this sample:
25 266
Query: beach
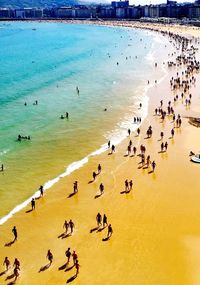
156 231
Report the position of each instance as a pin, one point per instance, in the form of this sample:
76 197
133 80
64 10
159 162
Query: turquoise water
45 62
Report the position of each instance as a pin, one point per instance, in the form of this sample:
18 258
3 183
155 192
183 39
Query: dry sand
156 238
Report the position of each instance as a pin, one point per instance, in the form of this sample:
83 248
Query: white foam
4 152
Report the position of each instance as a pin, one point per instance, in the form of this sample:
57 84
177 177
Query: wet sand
156 233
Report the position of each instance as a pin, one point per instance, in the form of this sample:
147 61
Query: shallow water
45 62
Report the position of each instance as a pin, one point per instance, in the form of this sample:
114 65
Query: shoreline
80 163
118 165
159 27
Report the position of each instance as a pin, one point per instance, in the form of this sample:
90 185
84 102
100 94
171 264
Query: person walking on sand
166 146
153 165
148 160
162 147
77 266
14 230
2 168
101 188
108 144
75 186
110 231
68 254
94 175
128 150
161 135
41 189
134 150
130 185
129 132
99 168
138 131
16 263
112 148
66 226
172 132
105 221
126 185
71 225
6 263
33 204
75 257
49 256
99 219
16 273
67 115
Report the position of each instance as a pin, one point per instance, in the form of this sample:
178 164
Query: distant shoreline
153 26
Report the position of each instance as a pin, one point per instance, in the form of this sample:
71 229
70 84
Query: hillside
35 3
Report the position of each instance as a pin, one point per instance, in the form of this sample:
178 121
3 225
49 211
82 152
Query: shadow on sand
10 277
105 239
71 279
71 194
43 268
11 283
28 211
97 196
9 243
63 266
94 229
69 268
3 272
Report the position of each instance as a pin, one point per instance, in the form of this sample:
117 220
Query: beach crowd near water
187 68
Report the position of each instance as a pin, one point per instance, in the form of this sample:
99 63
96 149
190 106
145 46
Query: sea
47 63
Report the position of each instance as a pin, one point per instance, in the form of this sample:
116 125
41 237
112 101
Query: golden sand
156 227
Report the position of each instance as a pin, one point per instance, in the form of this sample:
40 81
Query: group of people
16 267
69 225
20 138
66 116
102 222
